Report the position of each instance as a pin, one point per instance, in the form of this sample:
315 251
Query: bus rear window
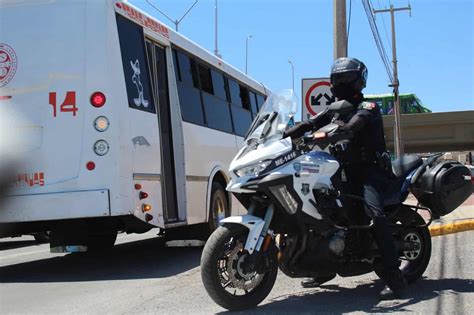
135 68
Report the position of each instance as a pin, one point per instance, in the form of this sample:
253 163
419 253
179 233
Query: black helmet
349 74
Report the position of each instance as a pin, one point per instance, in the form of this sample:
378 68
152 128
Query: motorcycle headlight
253 169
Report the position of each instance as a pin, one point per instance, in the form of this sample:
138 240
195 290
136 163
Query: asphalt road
139 276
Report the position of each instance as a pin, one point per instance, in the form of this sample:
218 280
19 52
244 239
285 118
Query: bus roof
185 43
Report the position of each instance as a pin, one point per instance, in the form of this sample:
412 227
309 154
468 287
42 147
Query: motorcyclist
364 163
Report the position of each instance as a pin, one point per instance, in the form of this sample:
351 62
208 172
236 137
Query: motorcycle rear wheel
414 263
222 273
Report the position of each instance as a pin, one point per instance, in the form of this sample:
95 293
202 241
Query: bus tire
218 207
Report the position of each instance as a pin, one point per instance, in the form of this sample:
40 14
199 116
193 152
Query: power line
384 27
384 55
378 41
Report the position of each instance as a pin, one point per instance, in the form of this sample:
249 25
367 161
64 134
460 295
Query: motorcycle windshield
275 116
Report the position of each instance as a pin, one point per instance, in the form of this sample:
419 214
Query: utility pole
395 84
340 29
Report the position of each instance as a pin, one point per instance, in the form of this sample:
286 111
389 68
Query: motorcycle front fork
265 236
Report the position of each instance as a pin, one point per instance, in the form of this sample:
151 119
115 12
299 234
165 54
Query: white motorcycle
303 220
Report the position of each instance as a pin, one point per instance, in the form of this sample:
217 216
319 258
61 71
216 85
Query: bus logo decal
8 64
140 101
140 140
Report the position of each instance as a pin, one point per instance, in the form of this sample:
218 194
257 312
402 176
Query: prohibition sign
308 95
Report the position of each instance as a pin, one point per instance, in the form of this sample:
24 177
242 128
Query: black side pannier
444 187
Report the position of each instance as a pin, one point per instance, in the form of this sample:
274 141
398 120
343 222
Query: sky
435 46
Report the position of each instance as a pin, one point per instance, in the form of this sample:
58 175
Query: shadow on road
364 298
18 244
134 260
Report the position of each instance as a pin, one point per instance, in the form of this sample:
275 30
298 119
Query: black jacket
364 123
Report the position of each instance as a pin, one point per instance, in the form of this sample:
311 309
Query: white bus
127 124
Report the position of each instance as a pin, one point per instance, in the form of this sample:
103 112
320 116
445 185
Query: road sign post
316 96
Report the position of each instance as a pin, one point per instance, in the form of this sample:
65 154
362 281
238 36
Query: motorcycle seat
405 165
396 191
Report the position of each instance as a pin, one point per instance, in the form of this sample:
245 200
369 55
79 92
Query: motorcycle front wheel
231 278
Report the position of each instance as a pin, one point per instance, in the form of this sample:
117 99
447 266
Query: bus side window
241 115
253 103
135 66
189 95
205 79
215 99
405 107
244 95
260 100
219 85
234 91
176 66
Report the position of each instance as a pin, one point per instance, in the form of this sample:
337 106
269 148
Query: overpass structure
433 132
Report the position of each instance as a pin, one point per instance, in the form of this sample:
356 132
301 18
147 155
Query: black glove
298 131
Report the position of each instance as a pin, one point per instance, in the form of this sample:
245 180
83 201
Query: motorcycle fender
255 226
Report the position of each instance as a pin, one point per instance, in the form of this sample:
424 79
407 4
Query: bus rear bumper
55 206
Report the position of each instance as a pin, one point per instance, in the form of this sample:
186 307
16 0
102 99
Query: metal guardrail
433 132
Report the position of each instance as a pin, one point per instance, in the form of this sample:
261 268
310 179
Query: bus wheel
219 207
96 242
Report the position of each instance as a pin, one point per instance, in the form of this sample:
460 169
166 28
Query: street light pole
395 84
216 50
175 22
247 52
292 74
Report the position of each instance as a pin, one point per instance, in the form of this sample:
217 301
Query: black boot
316 281
395 284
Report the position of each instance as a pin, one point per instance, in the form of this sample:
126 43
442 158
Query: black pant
372 183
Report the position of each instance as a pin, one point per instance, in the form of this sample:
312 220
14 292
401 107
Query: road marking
452 227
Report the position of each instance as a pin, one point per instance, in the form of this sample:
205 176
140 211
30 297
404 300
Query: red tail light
90 165
98 99
143 195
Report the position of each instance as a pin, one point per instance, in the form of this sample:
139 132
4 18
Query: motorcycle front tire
213 250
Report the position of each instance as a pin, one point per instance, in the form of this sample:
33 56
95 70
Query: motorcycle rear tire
210 276
414 269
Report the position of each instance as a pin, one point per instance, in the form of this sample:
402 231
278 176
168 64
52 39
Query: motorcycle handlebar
324 139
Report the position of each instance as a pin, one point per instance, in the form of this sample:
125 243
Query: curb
453 227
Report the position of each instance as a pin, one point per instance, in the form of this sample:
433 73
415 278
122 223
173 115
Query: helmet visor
344 78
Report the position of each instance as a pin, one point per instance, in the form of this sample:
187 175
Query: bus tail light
146 208
101 123
138 186
148 217
101 147
90 166
98 99
143 195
